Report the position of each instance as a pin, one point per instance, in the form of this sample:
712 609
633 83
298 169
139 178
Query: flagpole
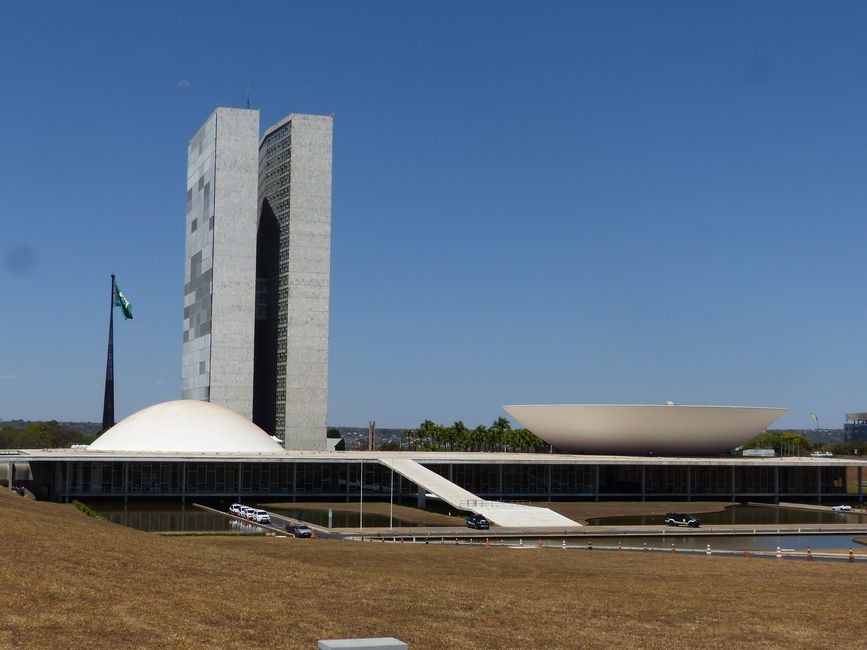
108 402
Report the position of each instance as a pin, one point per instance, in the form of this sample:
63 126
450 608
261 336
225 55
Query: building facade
220 261
293 281
257 271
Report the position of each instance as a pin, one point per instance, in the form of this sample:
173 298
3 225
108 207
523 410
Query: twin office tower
257 276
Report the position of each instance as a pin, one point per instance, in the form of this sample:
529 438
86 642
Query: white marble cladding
220 273
305 273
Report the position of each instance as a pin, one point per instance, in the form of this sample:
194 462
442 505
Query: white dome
642 429
186 425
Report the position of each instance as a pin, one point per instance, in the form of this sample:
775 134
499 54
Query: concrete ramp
500 513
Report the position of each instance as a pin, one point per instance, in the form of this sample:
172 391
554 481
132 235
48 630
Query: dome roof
186 425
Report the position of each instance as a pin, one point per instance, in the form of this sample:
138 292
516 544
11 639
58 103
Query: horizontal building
63 474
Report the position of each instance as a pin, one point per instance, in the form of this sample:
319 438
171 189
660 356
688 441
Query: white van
261 517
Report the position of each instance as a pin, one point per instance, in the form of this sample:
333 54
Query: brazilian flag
121 301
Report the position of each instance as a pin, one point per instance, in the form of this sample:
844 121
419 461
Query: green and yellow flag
121 301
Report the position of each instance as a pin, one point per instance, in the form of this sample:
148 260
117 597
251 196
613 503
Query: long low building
190 449
63 474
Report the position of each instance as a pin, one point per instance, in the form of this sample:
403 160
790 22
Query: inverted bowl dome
186 426
631 429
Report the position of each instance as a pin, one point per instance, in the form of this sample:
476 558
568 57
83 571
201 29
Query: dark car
299 530
477 521
682 519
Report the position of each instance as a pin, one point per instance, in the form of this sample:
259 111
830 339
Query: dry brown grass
73 582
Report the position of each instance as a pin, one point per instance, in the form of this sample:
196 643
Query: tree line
41 435
789 443
500 436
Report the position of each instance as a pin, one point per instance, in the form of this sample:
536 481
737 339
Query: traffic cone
673 549
780 553
564 544
487 543
809 554
645 546
619 545
851 556
540 542
707 551
589 545
312 533
746 554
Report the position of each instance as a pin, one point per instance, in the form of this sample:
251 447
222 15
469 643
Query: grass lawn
70 581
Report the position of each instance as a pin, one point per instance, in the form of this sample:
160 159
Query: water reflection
741 514
174 518
345 519
733 542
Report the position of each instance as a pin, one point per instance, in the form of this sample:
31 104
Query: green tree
786 443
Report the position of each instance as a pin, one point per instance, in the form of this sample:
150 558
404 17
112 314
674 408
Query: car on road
682 519
821 454
261 517
299 530
235 509
477 521
842 508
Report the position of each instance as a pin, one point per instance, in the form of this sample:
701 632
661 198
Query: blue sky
533 202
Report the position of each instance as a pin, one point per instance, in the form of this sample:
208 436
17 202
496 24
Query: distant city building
257 272
855 427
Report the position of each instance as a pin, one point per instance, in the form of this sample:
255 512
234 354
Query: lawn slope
70 581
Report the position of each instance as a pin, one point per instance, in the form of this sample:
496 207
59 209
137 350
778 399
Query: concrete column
500 481
734 483
239 482
818 485
68 479
776 483
596 482
421 499
125 483
183 482
860 485
688 483
643 481
548 479
9 469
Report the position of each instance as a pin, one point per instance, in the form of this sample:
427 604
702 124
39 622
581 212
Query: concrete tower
293 274
220 268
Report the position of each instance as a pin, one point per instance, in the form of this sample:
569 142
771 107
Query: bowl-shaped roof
631 429
186 425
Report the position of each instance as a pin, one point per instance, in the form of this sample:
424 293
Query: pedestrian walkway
498 512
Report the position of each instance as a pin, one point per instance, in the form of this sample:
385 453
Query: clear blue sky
533 202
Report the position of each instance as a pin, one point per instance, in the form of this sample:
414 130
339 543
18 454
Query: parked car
299 530
821 454
682 519
842 508
477 521
261 517
235 509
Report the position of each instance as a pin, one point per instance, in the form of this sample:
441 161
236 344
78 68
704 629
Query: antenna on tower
247 96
